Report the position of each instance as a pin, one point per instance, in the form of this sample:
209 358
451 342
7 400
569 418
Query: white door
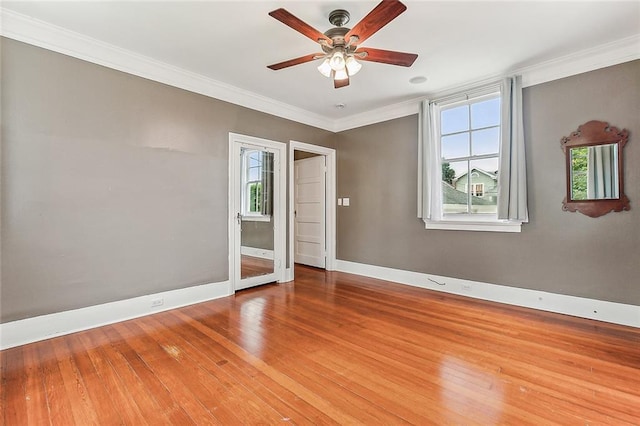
256 211
310 220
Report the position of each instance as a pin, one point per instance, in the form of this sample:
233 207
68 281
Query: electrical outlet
157 302
466 287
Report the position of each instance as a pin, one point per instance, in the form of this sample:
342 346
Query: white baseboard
257 252
43 327
617 313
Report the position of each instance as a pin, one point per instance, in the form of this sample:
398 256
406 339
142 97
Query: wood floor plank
116 390
164 369
82 406
282 379
145 384
35 395
330 348
295 408
224 398
14 378
58 402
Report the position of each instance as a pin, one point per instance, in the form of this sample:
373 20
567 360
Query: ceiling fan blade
387 56
380 16
296 61
341 83
302 27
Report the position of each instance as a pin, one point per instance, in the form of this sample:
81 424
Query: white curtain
512 173
602 175
267 183
429 168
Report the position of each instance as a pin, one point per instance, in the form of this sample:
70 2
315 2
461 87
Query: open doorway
312 211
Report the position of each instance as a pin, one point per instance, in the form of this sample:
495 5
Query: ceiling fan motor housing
339 17
336 35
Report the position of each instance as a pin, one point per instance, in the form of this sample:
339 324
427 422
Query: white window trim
465 222
256 218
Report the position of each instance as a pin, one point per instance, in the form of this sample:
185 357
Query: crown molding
601 56
39 33
23 28
389 112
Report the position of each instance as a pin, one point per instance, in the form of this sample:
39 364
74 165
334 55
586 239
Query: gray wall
113 186
557 251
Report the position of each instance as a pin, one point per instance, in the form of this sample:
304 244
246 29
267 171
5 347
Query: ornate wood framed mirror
594 163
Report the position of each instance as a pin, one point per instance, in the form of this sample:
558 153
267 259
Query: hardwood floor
331 348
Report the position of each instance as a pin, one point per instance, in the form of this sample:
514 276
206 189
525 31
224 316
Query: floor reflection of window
467 389
251 330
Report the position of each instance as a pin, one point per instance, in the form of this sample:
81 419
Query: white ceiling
232 42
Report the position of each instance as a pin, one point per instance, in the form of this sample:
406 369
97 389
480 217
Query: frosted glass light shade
325 68
337 61
353 66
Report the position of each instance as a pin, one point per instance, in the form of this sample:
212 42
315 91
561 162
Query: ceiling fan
340 45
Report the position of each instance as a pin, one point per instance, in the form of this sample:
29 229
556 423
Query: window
477 189
253 185
579 170
472 168
469 137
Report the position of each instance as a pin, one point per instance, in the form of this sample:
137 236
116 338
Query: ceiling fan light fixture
352 65
325 68
340 74
341 45
337 62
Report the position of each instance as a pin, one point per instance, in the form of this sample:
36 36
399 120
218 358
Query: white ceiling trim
39 33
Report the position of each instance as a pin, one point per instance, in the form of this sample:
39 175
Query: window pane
484 186
255 197
454 193
455 146
485 113
255 160
485 141
255 173
579 161
454 120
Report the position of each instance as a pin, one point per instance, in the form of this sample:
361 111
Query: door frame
279 205
330 203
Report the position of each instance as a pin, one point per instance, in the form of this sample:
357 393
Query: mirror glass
594 172
594 164
257 231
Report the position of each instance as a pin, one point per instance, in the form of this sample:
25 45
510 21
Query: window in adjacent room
253 186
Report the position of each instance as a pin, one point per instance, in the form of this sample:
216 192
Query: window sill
478 225
256 218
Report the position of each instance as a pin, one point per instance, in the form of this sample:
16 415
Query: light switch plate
345 202
339 201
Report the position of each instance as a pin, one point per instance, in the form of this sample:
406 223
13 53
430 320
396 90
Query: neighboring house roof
492 175
453 196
